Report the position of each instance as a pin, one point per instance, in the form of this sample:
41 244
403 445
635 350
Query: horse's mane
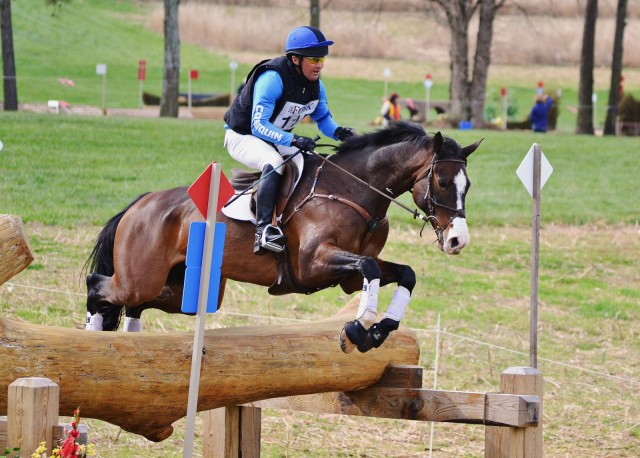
402 131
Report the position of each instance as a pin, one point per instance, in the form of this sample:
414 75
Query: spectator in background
539 112
414 113
390 110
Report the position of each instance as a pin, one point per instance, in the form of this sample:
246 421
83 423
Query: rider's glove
303 143
342 133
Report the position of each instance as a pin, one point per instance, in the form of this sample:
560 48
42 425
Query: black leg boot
268 237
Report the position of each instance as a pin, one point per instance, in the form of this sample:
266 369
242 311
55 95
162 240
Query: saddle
244 209
242 179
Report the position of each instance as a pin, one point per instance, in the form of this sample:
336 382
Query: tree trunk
585 103
140 380
315 13
8 59
169 105
15 253
616 70
459 13
488 10
467 96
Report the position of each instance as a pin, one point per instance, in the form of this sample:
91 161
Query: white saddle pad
240 209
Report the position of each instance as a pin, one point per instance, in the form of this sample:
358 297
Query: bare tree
467 95
169 106
585 91
8 59
616 70
314 7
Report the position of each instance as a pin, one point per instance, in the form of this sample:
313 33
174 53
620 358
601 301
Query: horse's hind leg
169 301
132 321
102 315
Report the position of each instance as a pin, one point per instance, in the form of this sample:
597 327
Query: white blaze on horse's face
456 235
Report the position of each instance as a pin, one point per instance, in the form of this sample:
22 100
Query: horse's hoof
345 344
352 335
379 332
366 345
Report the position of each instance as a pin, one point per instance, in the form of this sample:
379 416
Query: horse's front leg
363 332
405 277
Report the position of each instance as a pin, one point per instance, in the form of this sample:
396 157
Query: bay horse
335 223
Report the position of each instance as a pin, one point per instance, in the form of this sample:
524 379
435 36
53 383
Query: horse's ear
467 150
438 142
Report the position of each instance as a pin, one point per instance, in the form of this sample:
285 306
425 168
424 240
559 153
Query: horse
335 222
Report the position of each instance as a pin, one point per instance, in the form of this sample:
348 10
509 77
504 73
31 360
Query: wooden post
15 254
233 431
535 255
32 414
503 442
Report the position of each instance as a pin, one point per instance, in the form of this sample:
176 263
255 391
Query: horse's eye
442 183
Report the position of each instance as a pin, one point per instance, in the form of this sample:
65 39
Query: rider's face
311 66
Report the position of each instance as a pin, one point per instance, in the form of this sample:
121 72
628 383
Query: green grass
66 175
85 33
76 170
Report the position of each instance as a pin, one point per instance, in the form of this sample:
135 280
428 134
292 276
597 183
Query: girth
287 281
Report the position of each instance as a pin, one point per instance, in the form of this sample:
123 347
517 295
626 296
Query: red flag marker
199 191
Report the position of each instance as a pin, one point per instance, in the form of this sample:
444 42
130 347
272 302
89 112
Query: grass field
66 175
85 33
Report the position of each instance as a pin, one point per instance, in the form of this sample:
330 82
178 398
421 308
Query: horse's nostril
454 242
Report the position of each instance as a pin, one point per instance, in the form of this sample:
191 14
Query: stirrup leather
272 238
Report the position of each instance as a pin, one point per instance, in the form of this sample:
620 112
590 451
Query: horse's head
440 191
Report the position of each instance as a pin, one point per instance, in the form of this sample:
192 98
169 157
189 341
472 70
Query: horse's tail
100 261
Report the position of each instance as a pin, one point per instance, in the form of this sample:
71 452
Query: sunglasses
316 60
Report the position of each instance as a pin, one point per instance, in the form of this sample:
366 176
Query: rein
415 213
431 201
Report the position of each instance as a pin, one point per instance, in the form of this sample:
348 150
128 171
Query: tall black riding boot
268 236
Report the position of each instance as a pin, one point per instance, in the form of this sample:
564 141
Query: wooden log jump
15 253
513 417
140 381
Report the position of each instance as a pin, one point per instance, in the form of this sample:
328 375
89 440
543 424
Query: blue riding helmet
307 41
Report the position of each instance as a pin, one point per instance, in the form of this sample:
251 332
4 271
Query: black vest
297 89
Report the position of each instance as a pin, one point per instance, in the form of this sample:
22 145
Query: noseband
432 203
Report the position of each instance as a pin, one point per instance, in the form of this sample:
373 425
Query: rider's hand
342 133
304 144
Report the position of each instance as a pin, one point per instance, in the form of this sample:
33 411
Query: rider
278 94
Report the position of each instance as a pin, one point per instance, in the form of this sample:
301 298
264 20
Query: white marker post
201 316
387 74
142 74
427 96
505 106
594 100
233 66
101 70
534 171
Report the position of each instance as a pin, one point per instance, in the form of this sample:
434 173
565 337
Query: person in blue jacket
277 95
539 112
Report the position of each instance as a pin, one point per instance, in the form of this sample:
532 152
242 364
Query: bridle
432 203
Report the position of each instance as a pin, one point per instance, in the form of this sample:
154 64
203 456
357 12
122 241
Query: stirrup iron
272 239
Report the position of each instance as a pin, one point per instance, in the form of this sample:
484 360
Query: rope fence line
619 378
